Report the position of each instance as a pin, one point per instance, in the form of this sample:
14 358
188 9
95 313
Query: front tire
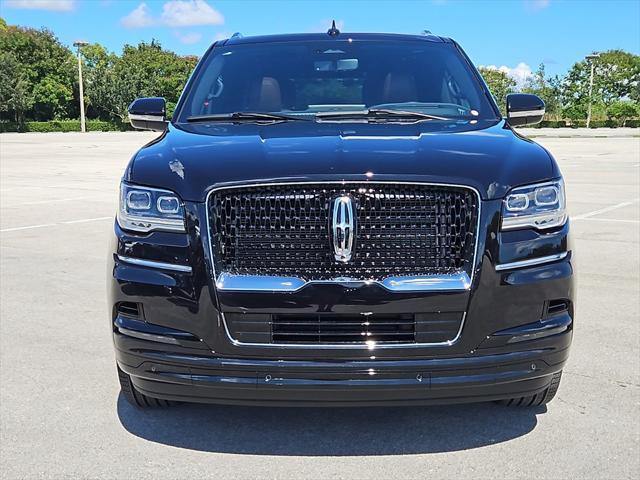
134 397
541 398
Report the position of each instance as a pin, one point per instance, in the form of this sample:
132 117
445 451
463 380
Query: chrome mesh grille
401 229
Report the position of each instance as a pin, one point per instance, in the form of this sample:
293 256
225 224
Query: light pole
78 44
590 59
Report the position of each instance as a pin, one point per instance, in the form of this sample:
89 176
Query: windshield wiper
255 116
379 113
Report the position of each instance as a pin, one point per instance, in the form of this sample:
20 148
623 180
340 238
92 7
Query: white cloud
139 17
536 5
186 13
175 13
188 38
54 5
520 73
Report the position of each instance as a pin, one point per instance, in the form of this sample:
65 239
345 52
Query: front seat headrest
266 95
399 87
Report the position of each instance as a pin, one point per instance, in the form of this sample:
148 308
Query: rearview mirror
339 65
524 109
148 113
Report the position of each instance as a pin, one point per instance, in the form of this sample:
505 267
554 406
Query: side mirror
148 113
524 109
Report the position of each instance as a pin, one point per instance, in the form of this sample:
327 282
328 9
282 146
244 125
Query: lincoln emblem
343 228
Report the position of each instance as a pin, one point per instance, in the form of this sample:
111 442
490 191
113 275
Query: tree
156 71
16 96
575 111
500 85
53 97
102 95
549 89
616 76
46 65
144 70
623 110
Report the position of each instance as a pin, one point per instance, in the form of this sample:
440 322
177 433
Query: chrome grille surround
311 230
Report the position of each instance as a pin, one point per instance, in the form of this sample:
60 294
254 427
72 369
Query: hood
192 159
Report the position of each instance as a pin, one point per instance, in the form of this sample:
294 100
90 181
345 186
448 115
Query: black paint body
205 365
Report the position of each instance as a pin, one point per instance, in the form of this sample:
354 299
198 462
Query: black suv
340 219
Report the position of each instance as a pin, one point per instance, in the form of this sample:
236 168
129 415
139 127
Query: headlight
145 209
538 206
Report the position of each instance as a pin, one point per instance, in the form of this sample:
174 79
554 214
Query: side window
458 87
210 85
452 93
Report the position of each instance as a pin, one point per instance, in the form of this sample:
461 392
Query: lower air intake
336 329
330 329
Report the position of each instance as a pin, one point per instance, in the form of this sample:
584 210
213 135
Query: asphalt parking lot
62 417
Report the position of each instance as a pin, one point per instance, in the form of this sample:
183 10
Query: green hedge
64 126
635 123
552 124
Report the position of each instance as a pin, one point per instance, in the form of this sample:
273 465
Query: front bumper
508 346
194 377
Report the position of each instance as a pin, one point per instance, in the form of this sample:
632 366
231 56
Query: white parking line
41 202
67 222
84 220
621 220
605 209
15 229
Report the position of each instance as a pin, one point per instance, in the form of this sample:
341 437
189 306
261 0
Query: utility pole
590 59
78 44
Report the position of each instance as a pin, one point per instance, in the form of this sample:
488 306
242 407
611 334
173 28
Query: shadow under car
351 431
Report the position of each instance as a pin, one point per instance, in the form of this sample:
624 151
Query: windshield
313 79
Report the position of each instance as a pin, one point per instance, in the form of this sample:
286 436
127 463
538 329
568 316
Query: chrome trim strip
146 118
148 336
527 113
257 283
456 281
528 221
463 283
153 264
531 262
339 346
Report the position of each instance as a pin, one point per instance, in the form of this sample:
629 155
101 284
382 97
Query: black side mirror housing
148 113
524 109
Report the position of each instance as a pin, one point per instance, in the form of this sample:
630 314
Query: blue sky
514 34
